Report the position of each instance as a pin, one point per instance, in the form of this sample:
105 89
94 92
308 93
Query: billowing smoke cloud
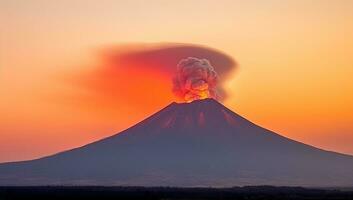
195 79
136 78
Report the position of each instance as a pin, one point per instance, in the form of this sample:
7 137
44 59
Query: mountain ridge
201 143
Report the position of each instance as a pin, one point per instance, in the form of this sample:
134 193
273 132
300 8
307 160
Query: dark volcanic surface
193 144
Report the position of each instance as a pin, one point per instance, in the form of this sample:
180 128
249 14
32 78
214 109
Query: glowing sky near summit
293 75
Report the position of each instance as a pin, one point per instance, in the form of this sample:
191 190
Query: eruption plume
139 75
195 79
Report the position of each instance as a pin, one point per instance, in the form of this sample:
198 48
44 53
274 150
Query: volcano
201 143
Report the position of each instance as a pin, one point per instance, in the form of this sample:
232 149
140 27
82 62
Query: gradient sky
295 73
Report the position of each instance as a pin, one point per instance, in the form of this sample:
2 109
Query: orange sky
294 75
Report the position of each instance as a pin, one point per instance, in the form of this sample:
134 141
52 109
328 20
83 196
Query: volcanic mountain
201 143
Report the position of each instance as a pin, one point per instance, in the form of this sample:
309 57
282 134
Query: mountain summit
201 143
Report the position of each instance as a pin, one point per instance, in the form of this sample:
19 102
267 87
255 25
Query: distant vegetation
238 193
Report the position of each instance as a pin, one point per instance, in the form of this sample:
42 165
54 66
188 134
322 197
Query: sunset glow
72 72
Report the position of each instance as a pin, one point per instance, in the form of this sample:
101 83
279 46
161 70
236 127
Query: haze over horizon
292 67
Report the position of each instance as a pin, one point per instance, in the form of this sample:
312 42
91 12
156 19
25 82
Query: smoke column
195 79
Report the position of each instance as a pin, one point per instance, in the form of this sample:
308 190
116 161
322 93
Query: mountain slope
194 144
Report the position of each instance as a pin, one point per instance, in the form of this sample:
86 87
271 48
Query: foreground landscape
96 192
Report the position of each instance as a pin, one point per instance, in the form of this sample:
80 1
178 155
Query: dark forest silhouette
239 193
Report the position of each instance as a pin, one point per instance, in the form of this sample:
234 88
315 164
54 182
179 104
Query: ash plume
195 79
139 75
